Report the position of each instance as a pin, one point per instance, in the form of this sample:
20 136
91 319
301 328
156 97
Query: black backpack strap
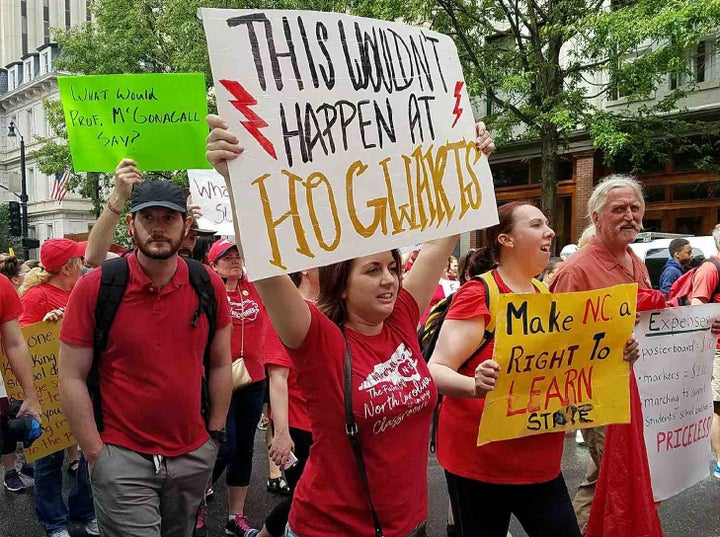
207 304
113 281
353 432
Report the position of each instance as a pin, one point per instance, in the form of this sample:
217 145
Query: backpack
430 330
114 279
681 290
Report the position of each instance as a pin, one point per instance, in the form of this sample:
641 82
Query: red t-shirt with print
532 459
10 308
393 399
276 354
249 319
40 300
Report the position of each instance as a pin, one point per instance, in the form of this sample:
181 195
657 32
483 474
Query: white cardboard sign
673 375
207 189
358 136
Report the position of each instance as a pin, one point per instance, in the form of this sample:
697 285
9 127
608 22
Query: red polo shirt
150 375
593 267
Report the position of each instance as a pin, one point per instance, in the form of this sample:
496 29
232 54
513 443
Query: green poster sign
156 119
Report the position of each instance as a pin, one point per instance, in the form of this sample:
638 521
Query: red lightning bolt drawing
457 110
243 101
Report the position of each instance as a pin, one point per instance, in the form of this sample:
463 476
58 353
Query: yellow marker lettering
314 180
379 204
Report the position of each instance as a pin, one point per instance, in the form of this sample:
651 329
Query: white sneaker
61 533
91 527
579 438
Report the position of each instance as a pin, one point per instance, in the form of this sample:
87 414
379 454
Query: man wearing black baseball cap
151 460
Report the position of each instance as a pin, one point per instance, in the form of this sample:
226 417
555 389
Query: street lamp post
14 131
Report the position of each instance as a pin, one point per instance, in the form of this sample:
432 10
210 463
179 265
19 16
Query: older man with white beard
616 208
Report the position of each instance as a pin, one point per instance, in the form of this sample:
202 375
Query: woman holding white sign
364 324
521 476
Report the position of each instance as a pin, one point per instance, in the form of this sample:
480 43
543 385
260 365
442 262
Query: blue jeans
237 453
289 532
49 505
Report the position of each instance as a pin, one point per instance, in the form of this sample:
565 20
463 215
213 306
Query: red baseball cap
219 248
54 253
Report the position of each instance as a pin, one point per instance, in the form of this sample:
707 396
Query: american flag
59 188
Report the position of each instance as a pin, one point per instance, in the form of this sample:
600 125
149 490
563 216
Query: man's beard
169 247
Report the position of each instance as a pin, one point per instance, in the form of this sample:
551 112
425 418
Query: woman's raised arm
289 313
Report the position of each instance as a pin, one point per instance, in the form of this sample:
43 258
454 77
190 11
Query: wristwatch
219 436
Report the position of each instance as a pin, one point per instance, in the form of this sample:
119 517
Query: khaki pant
134 498
595 440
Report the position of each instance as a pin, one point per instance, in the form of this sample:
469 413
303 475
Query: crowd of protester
164 389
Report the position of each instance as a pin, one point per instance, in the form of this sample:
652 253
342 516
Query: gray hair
611 182
716 236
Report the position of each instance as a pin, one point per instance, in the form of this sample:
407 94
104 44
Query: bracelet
113 209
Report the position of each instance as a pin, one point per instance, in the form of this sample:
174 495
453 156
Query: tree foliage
545 65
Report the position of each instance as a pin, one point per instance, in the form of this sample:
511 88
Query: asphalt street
693 513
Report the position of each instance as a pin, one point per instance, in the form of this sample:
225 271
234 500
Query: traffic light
15 219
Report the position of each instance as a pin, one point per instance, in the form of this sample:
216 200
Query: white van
654 251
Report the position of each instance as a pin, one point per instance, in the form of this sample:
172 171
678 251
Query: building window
67 14
24 26
30 123
50 231
88 13
45 61
32 232
31 184
46 21
697 66
29 70
13 78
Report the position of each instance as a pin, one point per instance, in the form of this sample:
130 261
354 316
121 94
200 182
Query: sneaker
209 493
60 533
91 527
579 440
13 482
200 527
252 533
716 473
237 526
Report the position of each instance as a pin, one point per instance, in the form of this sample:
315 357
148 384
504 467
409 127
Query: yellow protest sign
561 362
43 343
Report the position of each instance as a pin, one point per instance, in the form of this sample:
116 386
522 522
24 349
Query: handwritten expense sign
358 136
43 343
561 361
673 376
156 119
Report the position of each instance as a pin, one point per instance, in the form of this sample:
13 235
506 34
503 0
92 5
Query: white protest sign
207 189
673 375
358 136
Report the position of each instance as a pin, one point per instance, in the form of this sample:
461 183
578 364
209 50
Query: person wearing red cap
47 292
248 342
